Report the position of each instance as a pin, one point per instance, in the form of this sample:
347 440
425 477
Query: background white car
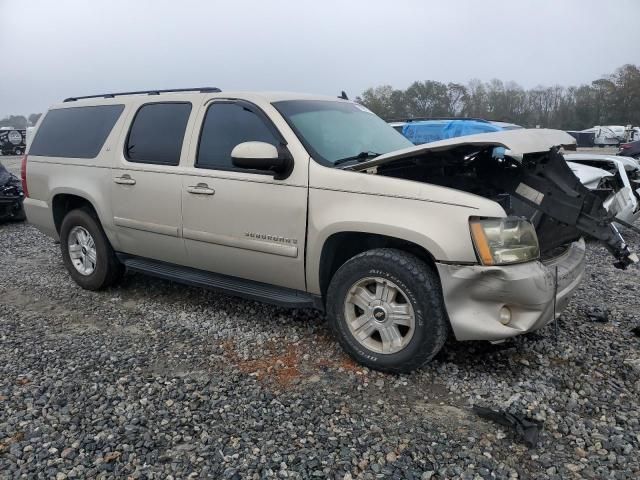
623 178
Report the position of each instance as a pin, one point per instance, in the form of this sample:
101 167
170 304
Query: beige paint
434 217
518 142
474 295
256 227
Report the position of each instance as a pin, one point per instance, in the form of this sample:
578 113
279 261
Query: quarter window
225 126
157 133
76 132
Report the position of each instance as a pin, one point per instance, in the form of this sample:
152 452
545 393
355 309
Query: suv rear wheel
386 308
86 251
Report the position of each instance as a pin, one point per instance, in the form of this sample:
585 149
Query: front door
238 222
146 185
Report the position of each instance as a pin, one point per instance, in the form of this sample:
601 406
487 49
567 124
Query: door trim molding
239 242
147 226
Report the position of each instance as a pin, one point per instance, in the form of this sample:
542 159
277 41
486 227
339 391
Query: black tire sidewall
102 273
424 293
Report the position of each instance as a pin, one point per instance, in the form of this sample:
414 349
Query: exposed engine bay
538 186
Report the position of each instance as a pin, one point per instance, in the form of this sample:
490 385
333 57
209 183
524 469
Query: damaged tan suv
308 201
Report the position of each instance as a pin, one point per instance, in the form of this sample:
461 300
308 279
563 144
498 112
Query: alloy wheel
379 315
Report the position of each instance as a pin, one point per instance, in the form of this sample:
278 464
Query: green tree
611 100
428 99
15 121
456 93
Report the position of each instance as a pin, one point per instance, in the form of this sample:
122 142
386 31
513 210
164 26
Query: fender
99 202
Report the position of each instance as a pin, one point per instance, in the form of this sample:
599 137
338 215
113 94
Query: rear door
239 222
146 182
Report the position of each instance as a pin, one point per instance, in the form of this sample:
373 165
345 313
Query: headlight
500 241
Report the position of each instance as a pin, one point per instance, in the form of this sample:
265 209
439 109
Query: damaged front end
544 188
526 180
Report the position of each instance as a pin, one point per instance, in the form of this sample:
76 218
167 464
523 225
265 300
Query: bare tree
613 99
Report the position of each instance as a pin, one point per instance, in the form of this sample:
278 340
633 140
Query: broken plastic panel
538 186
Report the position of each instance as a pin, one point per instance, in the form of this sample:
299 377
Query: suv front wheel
86 251
386 308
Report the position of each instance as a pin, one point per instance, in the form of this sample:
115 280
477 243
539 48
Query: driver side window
226 125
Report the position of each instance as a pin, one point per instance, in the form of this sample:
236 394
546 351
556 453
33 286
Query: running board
262 292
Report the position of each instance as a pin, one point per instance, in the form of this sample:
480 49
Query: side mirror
261 156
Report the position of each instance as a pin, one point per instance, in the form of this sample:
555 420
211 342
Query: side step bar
262 292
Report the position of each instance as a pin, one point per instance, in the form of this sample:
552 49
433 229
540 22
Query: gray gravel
157 380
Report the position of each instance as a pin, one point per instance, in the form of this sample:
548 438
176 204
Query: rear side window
157 133
225 126
77 132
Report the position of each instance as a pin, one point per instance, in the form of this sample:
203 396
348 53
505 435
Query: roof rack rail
148 92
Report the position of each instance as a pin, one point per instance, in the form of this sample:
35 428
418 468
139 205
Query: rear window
157 133
77 132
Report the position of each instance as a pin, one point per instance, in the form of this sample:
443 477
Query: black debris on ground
528 430
598 314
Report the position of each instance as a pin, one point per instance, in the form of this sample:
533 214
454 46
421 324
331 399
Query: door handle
200 189
125 180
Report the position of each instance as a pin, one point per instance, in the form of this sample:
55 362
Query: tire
106 268
417 293
18 152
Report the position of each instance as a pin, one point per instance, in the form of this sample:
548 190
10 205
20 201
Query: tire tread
426 277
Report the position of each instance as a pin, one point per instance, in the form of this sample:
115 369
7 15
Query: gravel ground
152 379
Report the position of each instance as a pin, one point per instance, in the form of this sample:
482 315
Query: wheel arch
339 247
63 202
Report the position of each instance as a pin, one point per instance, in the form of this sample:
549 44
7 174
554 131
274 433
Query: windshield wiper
361 157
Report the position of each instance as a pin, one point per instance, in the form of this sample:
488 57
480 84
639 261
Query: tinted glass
333 130
225 126
78 132
157 133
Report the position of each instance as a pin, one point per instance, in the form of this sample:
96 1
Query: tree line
20 121
611 100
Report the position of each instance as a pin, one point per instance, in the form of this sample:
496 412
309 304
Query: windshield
332 131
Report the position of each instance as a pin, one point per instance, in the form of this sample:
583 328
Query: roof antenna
343 95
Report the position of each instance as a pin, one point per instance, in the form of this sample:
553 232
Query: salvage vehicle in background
590 177
425 130
11 197
309 201
604 135
583 139
12 141
631 149
623 182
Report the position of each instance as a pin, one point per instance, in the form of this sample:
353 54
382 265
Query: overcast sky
54 49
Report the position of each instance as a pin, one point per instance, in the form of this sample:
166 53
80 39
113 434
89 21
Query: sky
60 48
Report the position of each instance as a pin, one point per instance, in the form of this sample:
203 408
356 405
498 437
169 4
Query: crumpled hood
518 142
589 176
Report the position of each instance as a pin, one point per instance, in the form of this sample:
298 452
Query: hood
589 176
629 164
519 142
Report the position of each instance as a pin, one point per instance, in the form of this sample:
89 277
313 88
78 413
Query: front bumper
475 294
10 207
